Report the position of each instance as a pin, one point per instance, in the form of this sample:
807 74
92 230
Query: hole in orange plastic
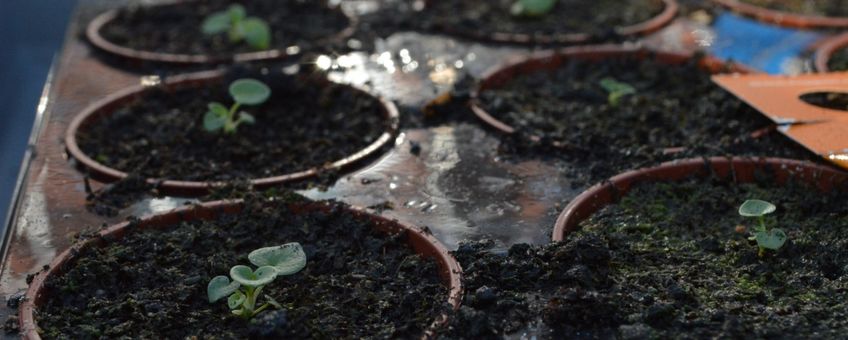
827 100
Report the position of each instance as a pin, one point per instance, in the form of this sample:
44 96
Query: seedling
244 92
766 238
616 90
247 283
238 26
532 8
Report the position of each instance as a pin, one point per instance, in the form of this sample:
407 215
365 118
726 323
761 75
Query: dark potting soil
839 60
485 17
830 8
667 262
177 28
152 284
306 123
676 112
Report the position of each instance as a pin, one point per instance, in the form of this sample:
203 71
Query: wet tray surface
447 178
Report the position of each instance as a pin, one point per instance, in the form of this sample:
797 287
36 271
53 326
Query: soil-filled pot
569 22
682 258
793 13
172 32
365 276
611 108
308 126
832 55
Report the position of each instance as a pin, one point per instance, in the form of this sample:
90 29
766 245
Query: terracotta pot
786 19
652 25
421 242
108 105
93 35
737 170
551 60
827 49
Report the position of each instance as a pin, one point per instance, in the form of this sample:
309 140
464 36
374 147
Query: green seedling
239 27
247 283
532 8
766 238
244 92
616 90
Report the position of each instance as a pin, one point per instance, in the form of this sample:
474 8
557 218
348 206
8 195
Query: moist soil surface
829 8
676 112
152 284
669 262
485 17
176 28
306 123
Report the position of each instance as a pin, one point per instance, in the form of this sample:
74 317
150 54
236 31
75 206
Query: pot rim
421 242
826 50
649 26
609 191
108 104
786 19
508 71
93 35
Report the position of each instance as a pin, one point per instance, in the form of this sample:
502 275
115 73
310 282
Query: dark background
31 33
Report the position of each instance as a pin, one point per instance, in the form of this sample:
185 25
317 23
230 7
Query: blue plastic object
772 49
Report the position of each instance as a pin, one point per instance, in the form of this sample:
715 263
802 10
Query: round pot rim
649 26
93 35
29 328
574 212
825 52
786 19
601 51
390 112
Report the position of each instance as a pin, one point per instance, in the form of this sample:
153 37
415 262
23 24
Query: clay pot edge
609 191
93 35
579 52
450 269
193 188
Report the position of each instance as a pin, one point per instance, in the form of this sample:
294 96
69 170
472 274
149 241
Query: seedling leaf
616 90
236 12
250 278
249 91
245 117
257 33
532 8
756 208
273 302
235 300
219 287
216 117
772 239
216 23
287 259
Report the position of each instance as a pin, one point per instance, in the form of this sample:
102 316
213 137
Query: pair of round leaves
275 261
234 20
244 92
770 239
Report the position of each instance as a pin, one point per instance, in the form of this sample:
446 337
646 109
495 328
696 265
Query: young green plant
244 92
616 90
532 8
766 238
247 284
239 27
